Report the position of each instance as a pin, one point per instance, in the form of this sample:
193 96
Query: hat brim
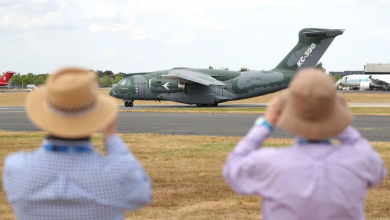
322 129
70 127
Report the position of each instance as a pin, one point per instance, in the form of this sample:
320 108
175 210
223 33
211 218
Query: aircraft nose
111 93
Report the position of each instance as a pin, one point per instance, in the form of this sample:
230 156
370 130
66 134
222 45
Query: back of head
69 105
312 108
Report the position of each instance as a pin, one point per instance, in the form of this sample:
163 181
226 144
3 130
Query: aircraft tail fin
312 44
7 76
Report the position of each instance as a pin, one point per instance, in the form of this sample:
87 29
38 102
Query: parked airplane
5 78
208 87
366 81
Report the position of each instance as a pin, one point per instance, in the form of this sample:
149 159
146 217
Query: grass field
18 99
385 111
186 174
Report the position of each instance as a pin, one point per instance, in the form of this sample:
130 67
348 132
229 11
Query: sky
42 36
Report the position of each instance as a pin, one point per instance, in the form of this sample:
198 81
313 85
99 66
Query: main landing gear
207 105
129 104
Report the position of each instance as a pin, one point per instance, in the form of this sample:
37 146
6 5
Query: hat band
72 113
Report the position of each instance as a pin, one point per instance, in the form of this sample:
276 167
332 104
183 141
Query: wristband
262 122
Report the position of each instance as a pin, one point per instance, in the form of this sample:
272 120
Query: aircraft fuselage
238 85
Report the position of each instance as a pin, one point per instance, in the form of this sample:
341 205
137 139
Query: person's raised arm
138 189
241 161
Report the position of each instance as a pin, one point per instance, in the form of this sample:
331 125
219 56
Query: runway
4 109
374 128
341 91
13 91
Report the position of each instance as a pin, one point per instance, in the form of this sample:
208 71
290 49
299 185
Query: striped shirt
48 185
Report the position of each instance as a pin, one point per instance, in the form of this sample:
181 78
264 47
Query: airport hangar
368 69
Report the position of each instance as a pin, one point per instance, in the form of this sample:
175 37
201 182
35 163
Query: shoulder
273 155
16 159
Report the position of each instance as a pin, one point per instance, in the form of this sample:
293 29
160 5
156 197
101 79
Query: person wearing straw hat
65 178
313 179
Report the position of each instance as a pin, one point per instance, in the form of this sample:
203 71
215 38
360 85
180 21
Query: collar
70 143
67 146
302 141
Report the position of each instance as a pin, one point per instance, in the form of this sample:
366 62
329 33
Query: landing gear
207 105
129 104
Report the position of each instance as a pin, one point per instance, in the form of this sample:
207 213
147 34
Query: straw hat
311 107
69 105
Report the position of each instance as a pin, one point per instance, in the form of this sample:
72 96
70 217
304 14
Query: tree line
30 78
105 78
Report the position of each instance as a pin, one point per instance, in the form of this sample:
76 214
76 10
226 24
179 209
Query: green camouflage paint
165 85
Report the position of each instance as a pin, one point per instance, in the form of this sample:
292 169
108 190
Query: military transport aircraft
208 87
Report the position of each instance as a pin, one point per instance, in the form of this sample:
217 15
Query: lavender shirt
306 181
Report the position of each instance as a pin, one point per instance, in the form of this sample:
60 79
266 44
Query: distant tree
45 76
16 80
336 77
108 73
100 73
28 79
39 80
211 67
120 74
117 79
107 81
320 66
224 68
244 69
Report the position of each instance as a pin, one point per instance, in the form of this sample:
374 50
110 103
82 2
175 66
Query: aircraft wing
187 75
378 81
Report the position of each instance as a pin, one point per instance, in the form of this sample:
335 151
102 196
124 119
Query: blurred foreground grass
186 174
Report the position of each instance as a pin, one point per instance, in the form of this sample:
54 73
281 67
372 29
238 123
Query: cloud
206 23
102 10
109 53
110 27
185 39
140 33
22 16
379 3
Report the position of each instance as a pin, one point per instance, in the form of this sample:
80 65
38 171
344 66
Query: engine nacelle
366 85
158 85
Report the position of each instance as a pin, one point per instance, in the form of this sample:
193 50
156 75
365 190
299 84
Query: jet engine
158 85
366 85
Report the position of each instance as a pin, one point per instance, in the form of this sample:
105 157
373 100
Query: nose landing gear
128 104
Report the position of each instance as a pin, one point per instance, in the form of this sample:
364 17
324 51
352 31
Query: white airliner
366 81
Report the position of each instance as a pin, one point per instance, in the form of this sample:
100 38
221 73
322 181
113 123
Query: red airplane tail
6 77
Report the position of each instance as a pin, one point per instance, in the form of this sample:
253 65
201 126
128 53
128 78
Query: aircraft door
141 91
226 91
218 91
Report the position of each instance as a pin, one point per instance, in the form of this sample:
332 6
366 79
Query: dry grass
383 111
351 98
18 99
186 174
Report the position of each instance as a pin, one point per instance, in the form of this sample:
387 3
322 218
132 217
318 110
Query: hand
273 111
110 129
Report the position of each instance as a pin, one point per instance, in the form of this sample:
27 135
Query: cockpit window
123 82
